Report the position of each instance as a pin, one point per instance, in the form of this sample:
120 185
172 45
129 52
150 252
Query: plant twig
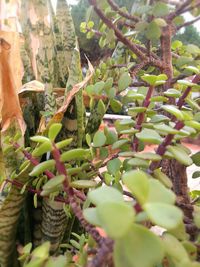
188 23
117 32
126 15
141 116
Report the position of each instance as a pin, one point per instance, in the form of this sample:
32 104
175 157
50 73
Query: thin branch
188 23
138 67
191 7
141 116
117 32
126 15
178 10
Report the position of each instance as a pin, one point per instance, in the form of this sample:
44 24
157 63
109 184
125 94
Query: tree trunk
175 170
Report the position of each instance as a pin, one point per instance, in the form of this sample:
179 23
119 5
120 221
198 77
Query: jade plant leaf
138 248
174 111
137 182
54 182
159 193
164 215
54 131
105 194
150 136
91 216
40 168
124 81
113 166
75 154
174 248
116 218
99 139
180 155
82 184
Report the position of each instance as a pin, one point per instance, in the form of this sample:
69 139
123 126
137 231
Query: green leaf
150 79
160 22
88 139
174 111
99 139
42 252
116 105
196 216
172 93
124 81
153 31
148 156
141 26
164 215
193 49
64 143
150 136
98 87
182 61
163 178
180 155
174 249
196 159
137 182
75 154
114 166
111 137
119 143
91 216
159 193
108 84
136 162
186 83
39 139
176 44
116 218
105 194
42 149
82 184
135 110
193 124
54 182
54 131
163 128
193 104
138 248
196 174
90 24
160 10
158 98
159 118
40 168
192 69
101 109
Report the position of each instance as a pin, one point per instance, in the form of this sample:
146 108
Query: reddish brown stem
163 146
33 160
141 116
34 191
181 100
126 15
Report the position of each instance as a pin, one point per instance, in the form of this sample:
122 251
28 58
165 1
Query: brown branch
178 10
190 8
117 32
188 23
138 67
126 15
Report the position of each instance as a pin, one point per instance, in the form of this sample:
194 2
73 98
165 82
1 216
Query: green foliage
91 181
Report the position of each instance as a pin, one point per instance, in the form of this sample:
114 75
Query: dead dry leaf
10 110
